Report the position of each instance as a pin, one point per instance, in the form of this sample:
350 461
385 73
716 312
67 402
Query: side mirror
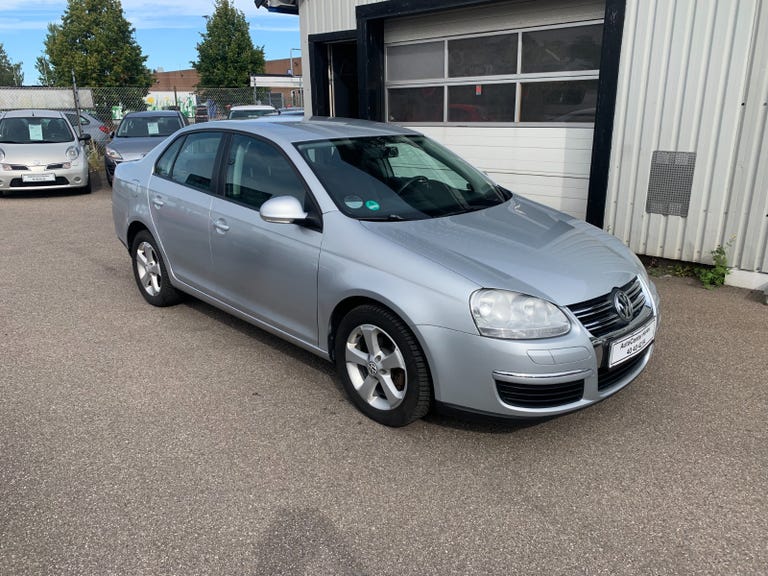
84 137
282 210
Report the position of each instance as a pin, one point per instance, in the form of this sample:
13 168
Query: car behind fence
102 108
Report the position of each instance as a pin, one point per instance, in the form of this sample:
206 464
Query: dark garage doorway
334 76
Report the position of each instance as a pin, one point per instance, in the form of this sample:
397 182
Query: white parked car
39 150
250 111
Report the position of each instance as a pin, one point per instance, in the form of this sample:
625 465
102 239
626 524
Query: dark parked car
137 134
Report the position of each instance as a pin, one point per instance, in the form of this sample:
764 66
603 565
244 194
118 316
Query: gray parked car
89 124
375 247
40 151
137 134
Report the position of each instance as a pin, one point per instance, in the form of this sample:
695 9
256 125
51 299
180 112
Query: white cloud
18 24
24 5
263 28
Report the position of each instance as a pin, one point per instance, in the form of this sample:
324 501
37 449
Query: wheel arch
350 303
133 229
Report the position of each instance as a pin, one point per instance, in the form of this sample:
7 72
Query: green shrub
714 276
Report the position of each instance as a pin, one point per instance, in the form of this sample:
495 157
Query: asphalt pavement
181 441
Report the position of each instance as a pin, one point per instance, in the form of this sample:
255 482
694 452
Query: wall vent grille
670 183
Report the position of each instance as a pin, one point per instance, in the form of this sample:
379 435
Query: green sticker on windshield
372 205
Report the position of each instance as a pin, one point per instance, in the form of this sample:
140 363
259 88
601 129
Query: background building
645 117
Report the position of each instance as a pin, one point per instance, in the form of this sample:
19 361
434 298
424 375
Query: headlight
515 316
73 152
114 154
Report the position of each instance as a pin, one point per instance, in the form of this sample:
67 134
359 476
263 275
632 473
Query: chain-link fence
101 109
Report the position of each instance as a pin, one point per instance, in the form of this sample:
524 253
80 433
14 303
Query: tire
150 272
382 366
88 188
109 177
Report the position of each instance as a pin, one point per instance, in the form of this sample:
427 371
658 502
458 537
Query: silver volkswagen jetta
377 248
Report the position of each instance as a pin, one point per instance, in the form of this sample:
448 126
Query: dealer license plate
42 177
632 344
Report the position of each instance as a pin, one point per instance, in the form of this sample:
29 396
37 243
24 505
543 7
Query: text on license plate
44 177
632 344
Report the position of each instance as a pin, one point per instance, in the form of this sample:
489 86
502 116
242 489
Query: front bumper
538 378
44 178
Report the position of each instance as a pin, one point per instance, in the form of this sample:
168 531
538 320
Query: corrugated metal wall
321 16
694 78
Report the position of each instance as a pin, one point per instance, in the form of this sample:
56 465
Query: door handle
158 202
221 225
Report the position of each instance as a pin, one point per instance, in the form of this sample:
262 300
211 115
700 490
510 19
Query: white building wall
322 16
694 78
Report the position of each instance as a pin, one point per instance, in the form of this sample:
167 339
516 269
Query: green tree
226 55
10 74
96 42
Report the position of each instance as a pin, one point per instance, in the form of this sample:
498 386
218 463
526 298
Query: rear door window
191 161
257 171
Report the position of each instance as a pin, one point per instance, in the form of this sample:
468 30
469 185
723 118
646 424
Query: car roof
253 107
34 113
316 128
153 113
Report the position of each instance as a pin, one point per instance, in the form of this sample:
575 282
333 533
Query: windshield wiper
388 218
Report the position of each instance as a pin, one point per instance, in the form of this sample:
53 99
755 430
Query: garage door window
416 61
422 104
538 75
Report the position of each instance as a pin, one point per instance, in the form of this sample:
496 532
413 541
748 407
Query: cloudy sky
166 30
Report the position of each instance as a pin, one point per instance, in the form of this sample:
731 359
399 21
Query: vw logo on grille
623 305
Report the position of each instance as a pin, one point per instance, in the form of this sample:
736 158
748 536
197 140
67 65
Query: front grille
599 315
608 377
540 395
19 183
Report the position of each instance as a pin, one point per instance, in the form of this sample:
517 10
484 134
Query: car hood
135 148
36 154
523 246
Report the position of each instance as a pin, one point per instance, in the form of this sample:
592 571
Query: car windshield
35 130
393 178
148 126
